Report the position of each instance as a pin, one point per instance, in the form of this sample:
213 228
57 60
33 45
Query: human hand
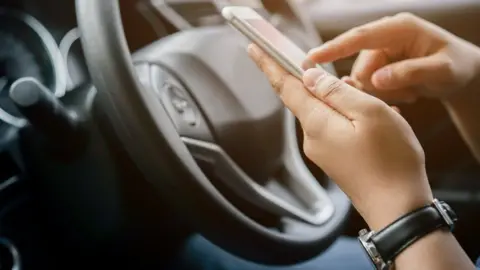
404 57
348 80
366 147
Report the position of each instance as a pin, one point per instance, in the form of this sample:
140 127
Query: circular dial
27 49
16 61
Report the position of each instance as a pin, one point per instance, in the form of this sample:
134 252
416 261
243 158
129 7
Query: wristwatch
383 246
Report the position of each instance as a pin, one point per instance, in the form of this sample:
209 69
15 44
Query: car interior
127 126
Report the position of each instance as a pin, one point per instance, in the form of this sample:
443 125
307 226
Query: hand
356 84
358 140
404 57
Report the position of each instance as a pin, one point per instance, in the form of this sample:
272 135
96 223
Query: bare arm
436 251
384 182
427 61
465 112
433 63
439 250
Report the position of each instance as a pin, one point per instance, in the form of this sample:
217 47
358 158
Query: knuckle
386 18
406 17
262 62
360 30
448 68
360 71
361 75
330 89
343 50
374 109
407 20
278 83
285 92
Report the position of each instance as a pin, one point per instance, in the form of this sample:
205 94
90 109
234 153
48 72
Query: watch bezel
365 238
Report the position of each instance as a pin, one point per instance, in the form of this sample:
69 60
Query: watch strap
396 237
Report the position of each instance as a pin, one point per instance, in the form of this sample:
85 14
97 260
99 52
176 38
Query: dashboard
38 39
31 48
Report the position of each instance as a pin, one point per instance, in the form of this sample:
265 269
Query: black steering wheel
196 98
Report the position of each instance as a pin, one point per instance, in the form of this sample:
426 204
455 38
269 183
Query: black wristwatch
382 247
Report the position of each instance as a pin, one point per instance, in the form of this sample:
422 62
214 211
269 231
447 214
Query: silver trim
65 45
17 262
53 52
365 238
436 203
170 14
302 181
234 177
299 181
8 183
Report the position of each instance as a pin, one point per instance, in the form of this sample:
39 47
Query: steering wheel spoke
298 177
317 210
293 193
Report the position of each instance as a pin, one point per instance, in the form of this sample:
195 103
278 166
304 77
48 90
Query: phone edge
264 44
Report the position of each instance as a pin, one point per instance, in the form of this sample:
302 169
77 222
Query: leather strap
395 238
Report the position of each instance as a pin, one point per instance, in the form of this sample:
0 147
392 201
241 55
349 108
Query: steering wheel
196 98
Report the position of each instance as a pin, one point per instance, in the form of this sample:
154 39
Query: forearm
464 110
436 251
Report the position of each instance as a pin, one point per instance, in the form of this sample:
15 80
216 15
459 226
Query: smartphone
251 24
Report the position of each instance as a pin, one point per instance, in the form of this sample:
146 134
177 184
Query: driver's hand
404 57
357 139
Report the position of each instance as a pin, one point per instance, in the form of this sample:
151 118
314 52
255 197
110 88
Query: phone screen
284 45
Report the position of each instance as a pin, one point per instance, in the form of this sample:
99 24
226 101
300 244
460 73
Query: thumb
410 72
343 98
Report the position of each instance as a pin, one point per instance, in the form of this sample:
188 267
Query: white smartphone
251 24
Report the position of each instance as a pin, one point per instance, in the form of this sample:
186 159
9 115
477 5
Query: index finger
384 33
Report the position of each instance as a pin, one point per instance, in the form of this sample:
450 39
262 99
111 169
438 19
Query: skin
403 58
464 111
365 145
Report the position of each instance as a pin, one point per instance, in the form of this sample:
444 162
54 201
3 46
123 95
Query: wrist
421 239
465 96
391 212
471 89
386 207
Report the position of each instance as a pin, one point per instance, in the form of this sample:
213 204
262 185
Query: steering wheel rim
150 138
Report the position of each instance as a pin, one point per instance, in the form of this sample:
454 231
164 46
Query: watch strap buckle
446 212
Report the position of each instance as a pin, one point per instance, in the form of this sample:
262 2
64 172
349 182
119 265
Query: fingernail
312 76
383 76
308 64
